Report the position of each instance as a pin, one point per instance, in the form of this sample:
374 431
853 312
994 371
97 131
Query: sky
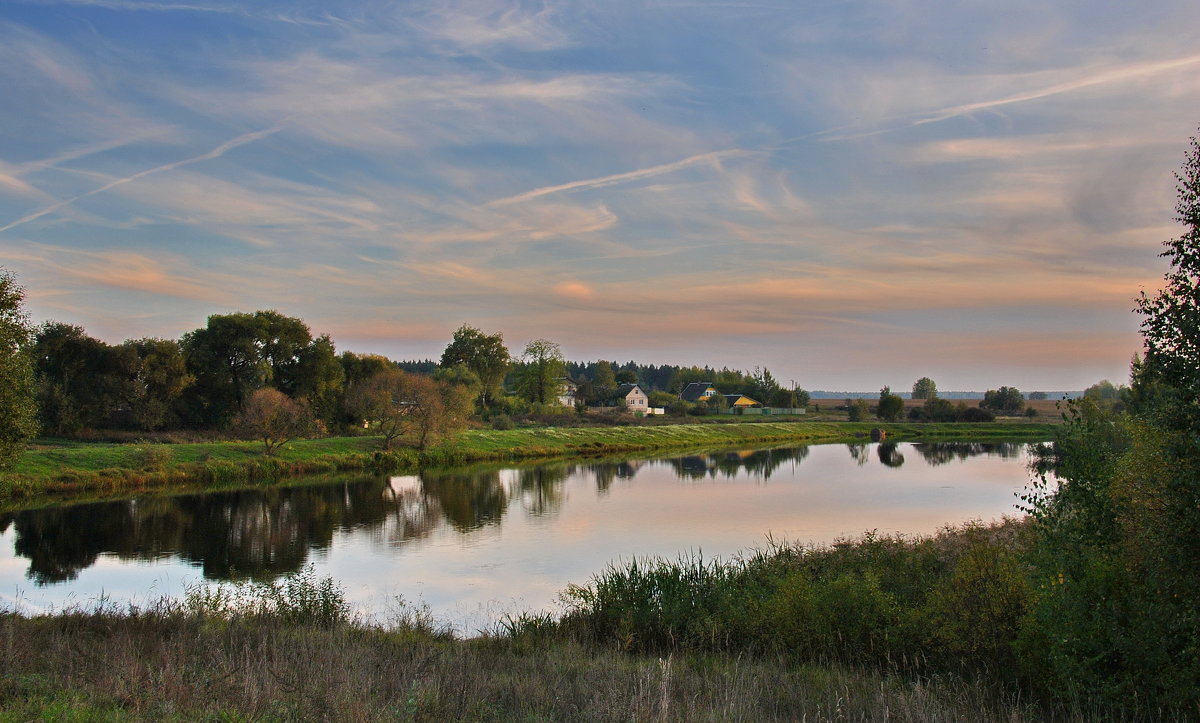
852 194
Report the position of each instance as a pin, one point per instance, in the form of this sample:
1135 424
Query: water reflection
889 454
264 533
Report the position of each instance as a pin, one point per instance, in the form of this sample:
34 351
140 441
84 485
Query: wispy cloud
710 158
217 152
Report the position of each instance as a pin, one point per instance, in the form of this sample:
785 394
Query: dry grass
150 666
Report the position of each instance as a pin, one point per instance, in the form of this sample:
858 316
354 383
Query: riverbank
62 469
292 650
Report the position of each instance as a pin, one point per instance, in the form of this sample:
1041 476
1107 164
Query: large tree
79 378
154 377
484 354
235 354
18 411
542 368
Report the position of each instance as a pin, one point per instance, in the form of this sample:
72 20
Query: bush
502 421
975 414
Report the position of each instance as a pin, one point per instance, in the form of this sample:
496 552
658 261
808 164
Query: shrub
975 414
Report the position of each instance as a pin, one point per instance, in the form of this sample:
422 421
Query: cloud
642 173
481 24
129 271
217 152
574 290
1083 78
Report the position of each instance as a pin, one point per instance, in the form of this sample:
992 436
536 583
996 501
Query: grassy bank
292 651
54 468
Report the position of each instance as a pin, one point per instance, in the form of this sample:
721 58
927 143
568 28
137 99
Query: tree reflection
468 500
255 534
542 487
761 463
889 454
859 453
939 453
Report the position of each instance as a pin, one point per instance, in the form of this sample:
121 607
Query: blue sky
852 194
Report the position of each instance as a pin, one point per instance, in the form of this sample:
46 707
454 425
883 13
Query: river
475 544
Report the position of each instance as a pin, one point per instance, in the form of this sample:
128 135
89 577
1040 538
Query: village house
631 397
698 392
740 401
567 391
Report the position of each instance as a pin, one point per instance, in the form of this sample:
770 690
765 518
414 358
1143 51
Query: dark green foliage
78 378
891 406
924 388
540 373
483 354
975 414
945 602
154 376
1006 401
235 354
1171 323
1115 615
18 409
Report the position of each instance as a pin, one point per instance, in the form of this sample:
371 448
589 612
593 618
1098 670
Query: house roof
741 400
625 389
695 390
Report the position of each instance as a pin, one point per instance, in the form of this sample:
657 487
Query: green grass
56 468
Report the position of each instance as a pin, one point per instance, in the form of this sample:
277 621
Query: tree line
267 376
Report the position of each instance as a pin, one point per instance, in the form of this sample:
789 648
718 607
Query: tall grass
292 651
952 602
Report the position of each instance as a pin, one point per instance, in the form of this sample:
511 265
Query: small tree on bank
891 406
274 419
401 404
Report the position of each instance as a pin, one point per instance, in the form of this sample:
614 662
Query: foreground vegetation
294 650
72 467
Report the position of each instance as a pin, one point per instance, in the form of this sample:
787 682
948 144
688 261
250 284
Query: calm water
474 545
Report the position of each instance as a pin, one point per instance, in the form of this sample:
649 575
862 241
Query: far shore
63 469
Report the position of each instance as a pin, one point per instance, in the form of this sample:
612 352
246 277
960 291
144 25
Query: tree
924 388
155 376
858 410
1117 528
382 400
318 378
891 406
235 354
79 379
273 418
541 372
1005 401
484 354
18 410
1171 318
399 403
626 376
